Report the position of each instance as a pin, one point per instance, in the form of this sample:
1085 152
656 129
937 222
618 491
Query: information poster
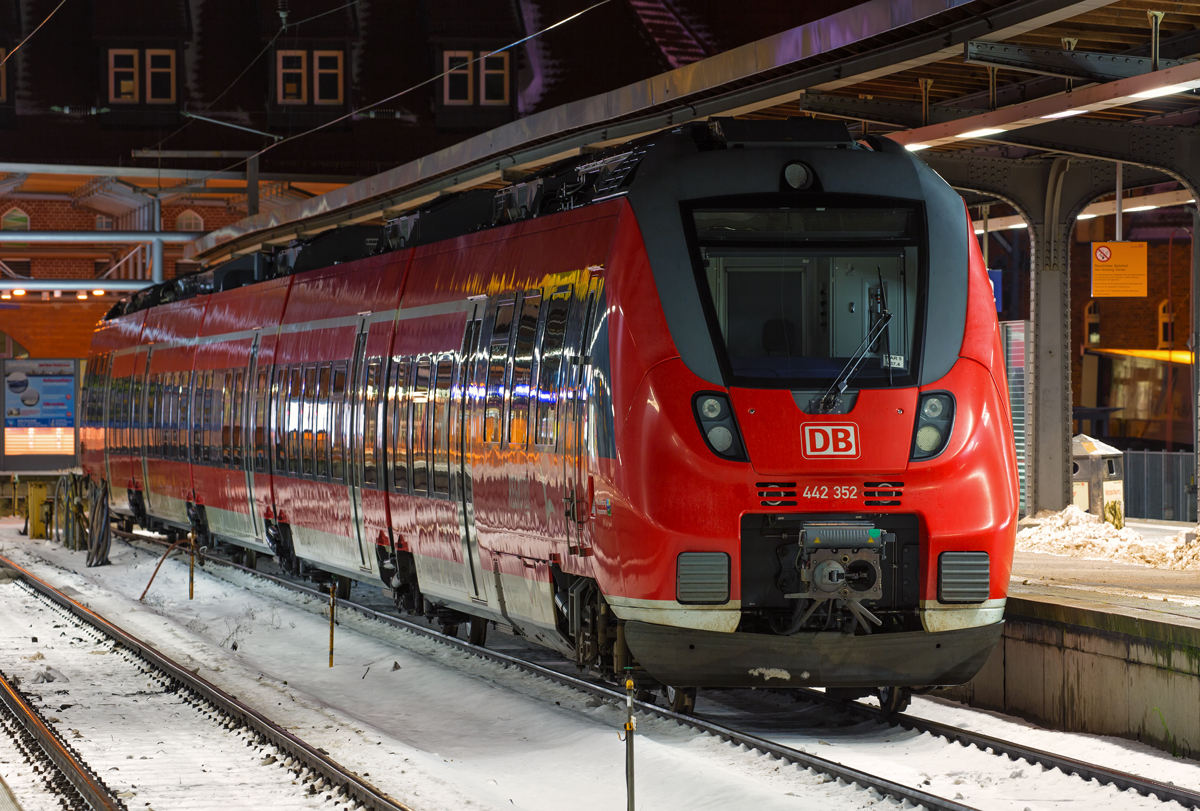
1118 269
39 407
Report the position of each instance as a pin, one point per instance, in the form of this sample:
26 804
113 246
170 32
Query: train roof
592 177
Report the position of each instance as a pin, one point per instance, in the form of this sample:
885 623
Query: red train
726 406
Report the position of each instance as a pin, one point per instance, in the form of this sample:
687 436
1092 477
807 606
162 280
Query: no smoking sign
1118 269
1103 253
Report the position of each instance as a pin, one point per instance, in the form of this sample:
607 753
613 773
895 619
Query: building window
189 221
1166 325
123 76
1091 317
327 77
104 223
493 80
14 220
160 77
291 77
458 87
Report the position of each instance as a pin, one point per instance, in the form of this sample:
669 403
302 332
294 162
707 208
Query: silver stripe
426 311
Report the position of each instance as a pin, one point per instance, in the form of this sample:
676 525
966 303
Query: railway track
1015 751
1122 781
122 684
57 776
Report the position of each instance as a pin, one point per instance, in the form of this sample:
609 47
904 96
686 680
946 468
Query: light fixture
81 295
983 133
1161 91
58 294
45 295
6 295
97 292
18 292
916 147
1063 114
1138 208
1086 217
978 231
1019 225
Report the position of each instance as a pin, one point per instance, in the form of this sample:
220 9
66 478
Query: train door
577 497
252 405
470 361
146 410
364 388
106 436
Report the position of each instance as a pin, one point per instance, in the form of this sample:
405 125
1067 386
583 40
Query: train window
279 399
221 427
398 402
554 337
135 403
260 420
207 418
198 417
307 426
420 430
160 414
337 448
370 437
795 291
497 360
321 420
522 373
227 418
441 427
171 440
292 424
147 436
239 383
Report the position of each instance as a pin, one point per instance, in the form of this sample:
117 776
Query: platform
1099 647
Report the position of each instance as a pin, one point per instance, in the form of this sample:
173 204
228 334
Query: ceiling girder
1086 65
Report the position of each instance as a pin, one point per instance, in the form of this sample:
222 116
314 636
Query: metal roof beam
849 46
88 285
1169 81
95 237
165 172
1086 65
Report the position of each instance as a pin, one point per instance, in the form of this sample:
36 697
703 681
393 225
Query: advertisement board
39 407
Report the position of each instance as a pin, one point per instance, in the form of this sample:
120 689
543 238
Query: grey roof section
756 75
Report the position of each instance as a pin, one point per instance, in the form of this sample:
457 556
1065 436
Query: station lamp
81 295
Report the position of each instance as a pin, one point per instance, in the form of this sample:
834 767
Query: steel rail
794 756
1015 751
1086 771
64 757
304 753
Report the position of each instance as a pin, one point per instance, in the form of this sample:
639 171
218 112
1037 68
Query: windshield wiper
833 395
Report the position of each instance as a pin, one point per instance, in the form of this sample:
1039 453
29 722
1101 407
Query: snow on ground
1075 533
434 727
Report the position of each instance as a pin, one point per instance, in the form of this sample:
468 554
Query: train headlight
720 438
935 420
797 175
718 427
929 438
933 407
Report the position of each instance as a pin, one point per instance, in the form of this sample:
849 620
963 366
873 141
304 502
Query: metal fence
1157 485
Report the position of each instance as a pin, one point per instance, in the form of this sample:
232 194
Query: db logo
830 439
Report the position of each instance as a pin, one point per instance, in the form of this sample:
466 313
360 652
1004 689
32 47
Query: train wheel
681 700
894 700
477 633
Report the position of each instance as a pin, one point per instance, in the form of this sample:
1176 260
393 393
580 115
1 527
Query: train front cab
790 536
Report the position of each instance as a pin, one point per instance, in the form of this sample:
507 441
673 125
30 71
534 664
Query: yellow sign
1118 269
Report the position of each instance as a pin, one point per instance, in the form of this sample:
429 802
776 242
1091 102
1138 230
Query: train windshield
796 291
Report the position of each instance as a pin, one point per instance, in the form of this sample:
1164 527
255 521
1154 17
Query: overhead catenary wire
246 69
9 55
406 91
